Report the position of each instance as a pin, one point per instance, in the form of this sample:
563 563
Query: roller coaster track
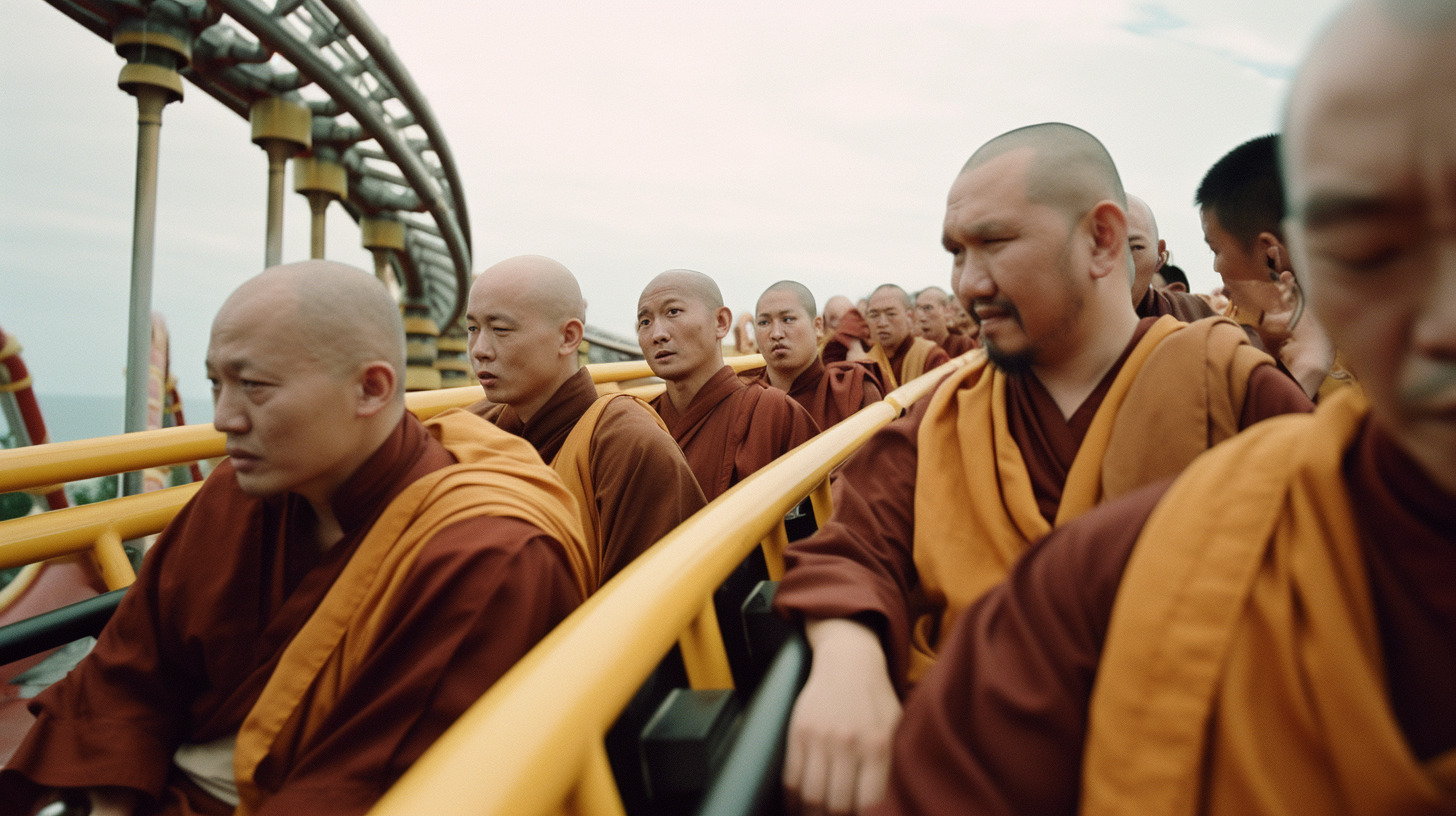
367 114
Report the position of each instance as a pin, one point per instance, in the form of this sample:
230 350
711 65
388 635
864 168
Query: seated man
1076 401
932 321
1272 633
726 428
342 587
786 329
901 355
525 322
1149 253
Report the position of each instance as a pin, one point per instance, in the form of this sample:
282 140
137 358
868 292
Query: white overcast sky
753 141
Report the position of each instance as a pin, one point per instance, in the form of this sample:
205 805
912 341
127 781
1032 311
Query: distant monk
1172 278
959 320
1076 401
632 485
900 354
835 309
1272 633
848 339
1149 254
339 591
932 321
726 428
786 327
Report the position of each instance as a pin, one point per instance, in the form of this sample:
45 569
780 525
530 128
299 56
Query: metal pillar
282 128
320 180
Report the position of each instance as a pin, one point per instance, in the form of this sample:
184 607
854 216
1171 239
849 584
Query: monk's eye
788 320
472 328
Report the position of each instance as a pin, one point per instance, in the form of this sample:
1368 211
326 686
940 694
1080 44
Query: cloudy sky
751 140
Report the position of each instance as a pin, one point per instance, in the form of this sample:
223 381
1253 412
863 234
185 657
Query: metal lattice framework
367 113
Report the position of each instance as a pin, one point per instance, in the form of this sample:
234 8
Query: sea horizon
69 417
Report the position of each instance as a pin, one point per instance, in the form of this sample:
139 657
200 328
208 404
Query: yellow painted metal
40 537
775 544
637 369
139 76
597 794
111 560
567 691
823 501
314 175
275 118
703 653
58 462
151 38
381 233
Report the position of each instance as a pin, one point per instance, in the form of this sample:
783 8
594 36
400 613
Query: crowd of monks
1142 551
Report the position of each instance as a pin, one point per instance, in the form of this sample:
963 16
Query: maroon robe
829 393
934 358
954 345
224 591
1185 307
852 327
998 725
861 564
731 429
643 485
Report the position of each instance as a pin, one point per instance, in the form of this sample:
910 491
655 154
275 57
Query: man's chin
1011 362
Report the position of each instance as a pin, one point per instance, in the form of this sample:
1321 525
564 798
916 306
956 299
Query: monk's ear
1107 227
724 317
1276 254
818 325
571 334
378 383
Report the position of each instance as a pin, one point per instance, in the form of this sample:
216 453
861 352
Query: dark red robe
643 485
998 725
224 591
829 393
731 429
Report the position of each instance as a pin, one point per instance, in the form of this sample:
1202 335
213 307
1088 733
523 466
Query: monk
835 308
1241 201
932 321
786 327
1149 255
847 339
1272 633
342 587
1075 401
901 355
726 428
525 322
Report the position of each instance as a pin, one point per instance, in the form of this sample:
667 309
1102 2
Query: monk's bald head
1069 169
890 290
339 315
544 287
689 282
798 290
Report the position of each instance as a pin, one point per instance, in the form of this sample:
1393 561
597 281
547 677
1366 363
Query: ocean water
83 416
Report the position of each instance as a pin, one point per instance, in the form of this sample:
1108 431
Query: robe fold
731 429
954 345
913 357
228 587
866 564
1270 639
829 393
641 486
1185 307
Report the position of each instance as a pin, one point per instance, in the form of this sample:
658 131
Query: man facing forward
900 353
787 328
932 321
342 587
1272 633
525 322
726 428
1081 401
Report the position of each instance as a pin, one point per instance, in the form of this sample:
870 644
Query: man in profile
525 322
726 428
341 588
786 328
932 321
1150 254
898 351
1272 632
1076 401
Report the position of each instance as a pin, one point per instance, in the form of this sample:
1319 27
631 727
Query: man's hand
838 756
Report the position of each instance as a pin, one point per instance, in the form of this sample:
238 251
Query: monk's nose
1435 328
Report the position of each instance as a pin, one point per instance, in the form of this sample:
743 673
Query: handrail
540 727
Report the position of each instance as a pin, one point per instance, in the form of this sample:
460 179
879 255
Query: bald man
786 327
898 351
1075 401
835 308
1150 254
726 428
1272 633
341 588
932 321
846 334
525 321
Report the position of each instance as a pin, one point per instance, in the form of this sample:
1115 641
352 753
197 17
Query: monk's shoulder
630 427
486 410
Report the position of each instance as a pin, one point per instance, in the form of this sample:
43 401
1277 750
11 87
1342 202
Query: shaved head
798 290
690 282
1144 245
897 290
835 309
545 286
343 317
1140 217
1070 170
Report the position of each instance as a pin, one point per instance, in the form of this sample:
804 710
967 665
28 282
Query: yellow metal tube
775 544
823 501
704 656
111 560
40 537
597 794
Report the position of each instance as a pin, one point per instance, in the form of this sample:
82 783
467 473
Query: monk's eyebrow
1323 210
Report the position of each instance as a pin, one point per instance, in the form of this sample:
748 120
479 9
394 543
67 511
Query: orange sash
1180 390
913 366
573 464
497 474
1242 671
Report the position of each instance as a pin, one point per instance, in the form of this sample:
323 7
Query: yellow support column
420 336
382 235
453 358
282 128
321 181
